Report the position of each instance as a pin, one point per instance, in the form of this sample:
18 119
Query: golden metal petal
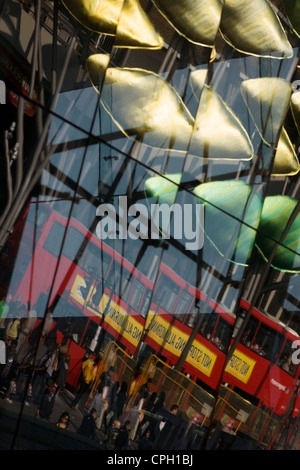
286 161
252 27
135 29
267 100
124 19
196 20
97 15
218 133
142 103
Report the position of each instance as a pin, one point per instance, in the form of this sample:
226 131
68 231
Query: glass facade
149 238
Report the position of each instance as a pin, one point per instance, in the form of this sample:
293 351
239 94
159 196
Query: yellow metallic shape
142 104
196 20
286 161
267 100
124 19
252 27
218 132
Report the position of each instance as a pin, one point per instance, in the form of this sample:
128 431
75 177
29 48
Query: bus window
222 335
166 294
37 215
55 238
146 303
250 331
285 359
120 282
136 296
95 260
208 325
182 306
74 244
267 342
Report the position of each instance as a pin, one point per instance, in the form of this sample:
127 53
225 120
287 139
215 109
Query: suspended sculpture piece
254 28
162 188
274 218
285 161
267 100
124 19
144 105
218 132
231 217
196 20
292 9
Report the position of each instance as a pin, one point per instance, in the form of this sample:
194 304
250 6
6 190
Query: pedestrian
112 432
144 442
44 372
8 372
97 401
86 379
88 425
122 438
106 381
165 426
63 420
24 376
47 404
62 370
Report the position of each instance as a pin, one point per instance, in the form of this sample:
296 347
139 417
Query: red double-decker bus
98 296
261 367
93 290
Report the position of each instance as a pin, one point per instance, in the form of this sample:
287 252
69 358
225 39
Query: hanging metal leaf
231 217
254 28
124 19
267 100
196 20
218 133
162 187
275 215
144 105
292 9
285 161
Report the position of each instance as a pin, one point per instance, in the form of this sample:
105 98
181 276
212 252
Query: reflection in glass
274 218
197 20
268 100
124 19
231 205
254 28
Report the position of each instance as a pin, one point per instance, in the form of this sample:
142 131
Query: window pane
74 244
54 240
136 296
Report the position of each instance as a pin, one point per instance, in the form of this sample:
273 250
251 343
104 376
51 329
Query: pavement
62 403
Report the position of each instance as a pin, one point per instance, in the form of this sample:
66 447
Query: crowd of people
35 373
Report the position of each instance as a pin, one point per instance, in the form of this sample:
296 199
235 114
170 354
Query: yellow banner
174 340
240 366
123 323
